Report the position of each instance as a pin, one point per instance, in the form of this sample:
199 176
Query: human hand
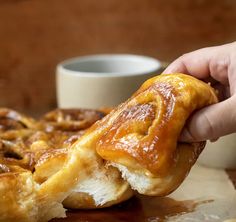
216 65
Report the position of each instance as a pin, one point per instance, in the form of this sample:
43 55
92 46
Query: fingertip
170 69
175 67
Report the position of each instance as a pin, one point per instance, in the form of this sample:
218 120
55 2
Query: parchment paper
207 184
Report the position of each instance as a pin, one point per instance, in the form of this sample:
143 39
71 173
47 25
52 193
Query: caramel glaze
25 141
70 119
145 133
137 209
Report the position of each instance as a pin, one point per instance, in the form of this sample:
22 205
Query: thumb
211 122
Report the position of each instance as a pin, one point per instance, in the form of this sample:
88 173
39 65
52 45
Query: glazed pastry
30 152
141 136
139 139
134 147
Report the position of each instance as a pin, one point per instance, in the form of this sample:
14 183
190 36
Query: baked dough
31 151
61 160
141 137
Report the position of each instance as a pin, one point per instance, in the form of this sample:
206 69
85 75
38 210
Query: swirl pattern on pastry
134 146
142 139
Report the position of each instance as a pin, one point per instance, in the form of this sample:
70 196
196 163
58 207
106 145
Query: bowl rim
156 65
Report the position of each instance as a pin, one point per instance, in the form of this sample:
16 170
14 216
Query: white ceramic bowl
102 80
220 154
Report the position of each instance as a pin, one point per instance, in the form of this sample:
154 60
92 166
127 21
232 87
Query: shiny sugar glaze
137 209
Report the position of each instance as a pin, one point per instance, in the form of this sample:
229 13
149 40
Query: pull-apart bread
86 159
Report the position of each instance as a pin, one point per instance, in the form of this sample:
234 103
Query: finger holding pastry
216 65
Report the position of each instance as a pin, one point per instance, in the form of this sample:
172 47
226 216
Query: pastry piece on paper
134 146
140 137
30 152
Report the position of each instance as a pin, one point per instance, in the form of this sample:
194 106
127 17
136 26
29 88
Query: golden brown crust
144 134
142 147
70 119
65 161
18 196
31 151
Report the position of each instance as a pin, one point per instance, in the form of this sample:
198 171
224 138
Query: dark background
37 34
